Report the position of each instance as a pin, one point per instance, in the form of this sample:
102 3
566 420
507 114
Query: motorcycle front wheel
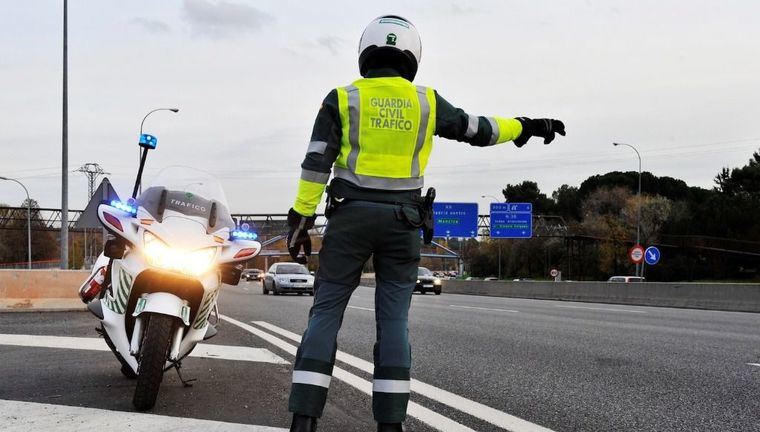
153 354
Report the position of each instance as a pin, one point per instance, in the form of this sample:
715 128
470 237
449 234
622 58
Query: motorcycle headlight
436 281
193 263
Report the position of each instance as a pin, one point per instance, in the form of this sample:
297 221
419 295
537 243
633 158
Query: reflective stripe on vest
388 124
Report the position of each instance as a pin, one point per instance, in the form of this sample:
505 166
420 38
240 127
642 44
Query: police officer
376 136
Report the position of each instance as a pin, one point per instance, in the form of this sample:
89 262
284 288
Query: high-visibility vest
388 125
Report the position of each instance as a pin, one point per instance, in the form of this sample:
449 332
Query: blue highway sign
455 219
511 220
652 255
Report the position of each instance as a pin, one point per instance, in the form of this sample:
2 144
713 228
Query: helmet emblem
390 39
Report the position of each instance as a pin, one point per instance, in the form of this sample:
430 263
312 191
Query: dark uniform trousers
357 230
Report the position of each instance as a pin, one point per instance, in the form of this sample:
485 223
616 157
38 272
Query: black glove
544 128
299 235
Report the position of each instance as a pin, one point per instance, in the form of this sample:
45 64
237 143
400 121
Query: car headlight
436 281
193 263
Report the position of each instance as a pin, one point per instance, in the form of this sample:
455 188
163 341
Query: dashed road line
482 308
220 352
475 409
599 309
17 416
753 364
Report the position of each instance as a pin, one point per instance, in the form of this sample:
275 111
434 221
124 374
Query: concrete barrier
729 297
716 296
41 289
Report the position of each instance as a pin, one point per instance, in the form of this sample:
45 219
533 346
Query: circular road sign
554 273
636 254
652 255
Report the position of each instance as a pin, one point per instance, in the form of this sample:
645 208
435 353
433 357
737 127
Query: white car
626 279
284 277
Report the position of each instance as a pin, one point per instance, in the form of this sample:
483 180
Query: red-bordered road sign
636 254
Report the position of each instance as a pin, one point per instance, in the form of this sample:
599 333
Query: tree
655 210
567 202
13 239
528 191
603 218
741 181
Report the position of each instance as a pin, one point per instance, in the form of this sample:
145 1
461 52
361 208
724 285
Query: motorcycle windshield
188 192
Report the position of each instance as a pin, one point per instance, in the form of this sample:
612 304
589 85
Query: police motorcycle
155 286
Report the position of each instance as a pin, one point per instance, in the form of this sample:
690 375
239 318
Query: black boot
302 423
389 427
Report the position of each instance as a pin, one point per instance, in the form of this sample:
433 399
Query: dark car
287 277
252 274
426 282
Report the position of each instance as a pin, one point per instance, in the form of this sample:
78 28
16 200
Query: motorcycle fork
176 341
137 333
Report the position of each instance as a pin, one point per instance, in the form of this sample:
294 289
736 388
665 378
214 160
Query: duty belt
339 192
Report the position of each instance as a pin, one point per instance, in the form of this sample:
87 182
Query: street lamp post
65 145
638 199
498 242
142 123
28 221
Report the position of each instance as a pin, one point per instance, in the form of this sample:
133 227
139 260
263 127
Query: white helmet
392 35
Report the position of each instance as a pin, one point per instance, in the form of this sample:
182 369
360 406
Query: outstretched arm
454 123
323 150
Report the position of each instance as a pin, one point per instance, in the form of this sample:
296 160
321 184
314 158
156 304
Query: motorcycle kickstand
186 383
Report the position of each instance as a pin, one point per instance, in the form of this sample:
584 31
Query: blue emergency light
244 235
124 207
148 141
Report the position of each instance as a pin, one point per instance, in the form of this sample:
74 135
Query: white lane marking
27 416
482 308
599 308
753 364
475 409
361 308
416 410
238 353
221 352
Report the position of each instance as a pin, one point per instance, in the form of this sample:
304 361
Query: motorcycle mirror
212 216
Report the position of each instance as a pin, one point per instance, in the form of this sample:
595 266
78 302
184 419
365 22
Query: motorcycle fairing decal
202 317
141 302
118 303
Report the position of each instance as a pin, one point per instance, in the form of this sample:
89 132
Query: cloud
462 10
332 43
152 25
223 19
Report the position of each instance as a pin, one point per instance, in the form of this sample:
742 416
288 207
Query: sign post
652 255
455 220
636 254
511 220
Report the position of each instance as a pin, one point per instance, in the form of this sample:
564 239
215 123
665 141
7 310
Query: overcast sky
678 79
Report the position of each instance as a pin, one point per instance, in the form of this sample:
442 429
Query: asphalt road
561 365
